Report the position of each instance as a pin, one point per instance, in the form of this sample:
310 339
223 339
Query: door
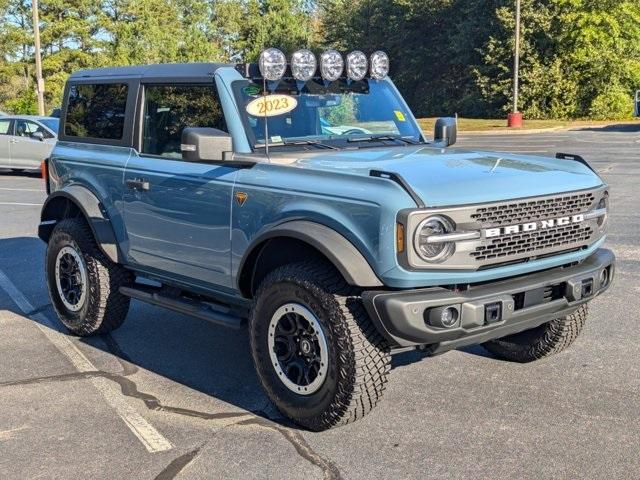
26 151
5 138
177 213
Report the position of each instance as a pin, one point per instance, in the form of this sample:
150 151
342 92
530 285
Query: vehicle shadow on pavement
619 128
186 351
181 350
12 173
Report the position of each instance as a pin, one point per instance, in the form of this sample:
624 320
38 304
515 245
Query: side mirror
205 145
636 104
38 136
445 132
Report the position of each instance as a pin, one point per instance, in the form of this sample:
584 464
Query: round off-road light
331 65
272 64
303 65
379 65
357 65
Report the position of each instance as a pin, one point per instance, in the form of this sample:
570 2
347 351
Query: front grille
550 239
533 210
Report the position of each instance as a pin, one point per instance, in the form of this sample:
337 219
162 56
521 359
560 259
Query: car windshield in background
366 113
51 123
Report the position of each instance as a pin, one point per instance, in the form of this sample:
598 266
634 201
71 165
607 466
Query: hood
443 177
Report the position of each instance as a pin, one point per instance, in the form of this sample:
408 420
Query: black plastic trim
394 177
575 158
92 210
341 252
398 315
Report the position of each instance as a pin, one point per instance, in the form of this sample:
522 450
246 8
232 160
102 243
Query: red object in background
514 120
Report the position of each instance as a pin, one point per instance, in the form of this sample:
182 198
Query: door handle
13 140
141 184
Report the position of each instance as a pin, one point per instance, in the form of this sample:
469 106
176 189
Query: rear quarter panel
99 168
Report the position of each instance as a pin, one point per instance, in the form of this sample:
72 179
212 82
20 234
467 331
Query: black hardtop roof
162 70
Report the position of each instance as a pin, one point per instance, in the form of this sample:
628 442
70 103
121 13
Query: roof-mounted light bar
304 65
272 64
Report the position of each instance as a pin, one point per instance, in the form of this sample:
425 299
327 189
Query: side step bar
214 313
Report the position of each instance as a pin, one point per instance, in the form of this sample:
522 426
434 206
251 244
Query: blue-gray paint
189 229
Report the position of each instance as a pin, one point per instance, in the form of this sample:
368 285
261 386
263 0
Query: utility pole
515 118
36 34
516 59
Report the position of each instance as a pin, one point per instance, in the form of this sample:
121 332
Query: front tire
542 341
83 283
318 356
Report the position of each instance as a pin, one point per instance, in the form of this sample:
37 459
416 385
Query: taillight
44 173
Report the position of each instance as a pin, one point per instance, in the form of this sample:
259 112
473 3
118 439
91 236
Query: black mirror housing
446 131
205 145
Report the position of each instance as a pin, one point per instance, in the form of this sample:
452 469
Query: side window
169 109
26 128
4 126
96 111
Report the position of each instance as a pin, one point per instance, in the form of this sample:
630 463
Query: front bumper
491 310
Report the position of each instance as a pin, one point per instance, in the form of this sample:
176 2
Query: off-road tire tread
554 337
364 375
108 308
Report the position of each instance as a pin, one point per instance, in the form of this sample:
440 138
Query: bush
615 103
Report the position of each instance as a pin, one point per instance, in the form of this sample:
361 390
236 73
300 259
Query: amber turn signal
400 238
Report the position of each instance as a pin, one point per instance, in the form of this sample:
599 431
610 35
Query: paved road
167 396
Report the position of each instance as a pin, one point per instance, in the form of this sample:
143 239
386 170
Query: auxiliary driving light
272 64
443 317
379 65
331 65
357 65
303 65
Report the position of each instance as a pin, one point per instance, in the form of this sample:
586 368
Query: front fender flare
335 247
89 205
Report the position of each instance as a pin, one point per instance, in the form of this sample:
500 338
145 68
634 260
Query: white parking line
22 204
23 189
153 440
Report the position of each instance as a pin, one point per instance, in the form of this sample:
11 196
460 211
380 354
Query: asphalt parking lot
168 396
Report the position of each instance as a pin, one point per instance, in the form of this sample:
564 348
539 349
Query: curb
529 131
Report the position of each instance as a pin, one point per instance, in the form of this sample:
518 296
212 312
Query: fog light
604 278
443 317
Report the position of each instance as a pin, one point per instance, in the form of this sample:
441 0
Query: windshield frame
290 87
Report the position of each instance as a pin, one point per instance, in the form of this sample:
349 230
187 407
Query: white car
26 140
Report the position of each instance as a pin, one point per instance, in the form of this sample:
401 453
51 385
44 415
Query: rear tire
356 359
83 283
542 341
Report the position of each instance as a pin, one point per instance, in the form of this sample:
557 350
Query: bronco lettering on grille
532 226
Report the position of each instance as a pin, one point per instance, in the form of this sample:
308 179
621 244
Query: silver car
26 140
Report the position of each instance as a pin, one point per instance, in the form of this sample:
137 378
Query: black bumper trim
400 315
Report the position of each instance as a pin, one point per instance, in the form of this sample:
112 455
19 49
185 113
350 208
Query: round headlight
331 65
357 65
434 252
303 65
379 65
272 64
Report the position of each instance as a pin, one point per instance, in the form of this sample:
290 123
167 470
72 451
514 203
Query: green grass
488 125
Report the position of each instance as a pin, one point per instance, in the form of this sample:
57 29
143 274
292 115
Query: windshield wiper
315 143
376 138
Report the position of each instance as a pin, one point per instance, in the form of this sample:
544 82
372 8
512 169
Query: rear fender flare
89 205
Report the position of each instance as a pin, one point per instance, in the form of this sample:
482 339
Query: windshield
51 123
338 116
